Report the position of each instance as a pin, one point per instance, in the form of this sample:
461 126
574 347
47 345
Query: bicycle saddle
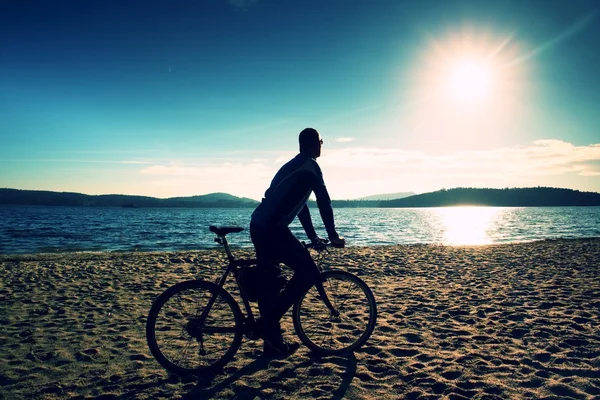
224 230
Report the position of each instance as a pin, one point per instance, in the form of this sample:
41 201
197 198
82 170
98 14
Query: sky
181 98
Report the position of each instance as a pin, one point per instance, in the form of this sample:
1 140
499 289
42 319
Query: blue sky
190 97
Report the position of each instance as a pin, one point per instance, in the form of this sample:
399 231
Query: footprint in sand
364 377
574 342
439 388
377 366
370 350
457 393
424 358
404 352
37 356
386 329
53 388
518 333
542 357
566 391
534 382
140 357
451 375
87 354
89 327
413 338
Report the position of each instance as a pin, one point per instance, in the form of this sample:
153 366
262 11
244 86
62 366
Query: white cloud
590 173
284 157
170 170
243 179
237 171
542 157
79 161
355 172
344 140
546 162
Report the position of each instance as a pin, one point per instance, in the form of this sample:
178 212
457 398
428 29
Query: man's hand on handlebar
320 244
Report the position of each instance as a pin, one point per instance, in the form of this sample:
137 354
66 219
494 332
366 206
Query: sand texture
508 321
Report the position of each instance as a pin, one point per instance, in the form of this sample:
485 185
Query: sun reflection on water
467 225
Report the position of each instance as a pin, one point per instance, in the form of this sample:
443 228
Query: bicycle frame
232 268
207 314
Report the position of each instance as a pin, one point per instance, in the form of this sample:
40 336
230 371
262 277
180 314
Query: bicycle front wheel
194 327
345 327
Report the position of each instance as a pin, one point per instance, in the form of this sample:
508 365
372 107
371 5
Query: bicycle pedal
252 335
250 331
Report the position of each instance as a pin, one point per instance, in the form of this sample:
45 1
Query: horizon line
346 199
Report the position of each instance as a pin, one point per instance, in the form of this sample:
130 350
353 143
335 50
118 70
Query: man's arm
324 203
306 221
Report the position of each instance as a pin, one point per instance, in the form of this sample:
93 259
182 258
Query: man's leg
262 239
280 244
270 330
270 287
293 254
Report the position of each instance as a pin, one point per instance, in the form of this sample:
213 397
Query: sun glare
469 80
467 225
467 70
465 88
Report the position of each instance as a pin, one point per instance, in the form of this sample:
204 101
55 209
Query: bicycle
197 326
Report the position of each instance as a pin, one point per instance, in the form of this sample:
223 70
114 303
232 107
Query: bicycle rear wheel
345 329
186 336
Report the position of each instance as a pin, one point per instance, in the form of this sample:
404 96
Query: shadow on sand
203 389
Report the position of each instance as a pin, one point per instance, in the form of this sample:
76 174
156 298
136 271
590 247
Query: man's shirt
288 194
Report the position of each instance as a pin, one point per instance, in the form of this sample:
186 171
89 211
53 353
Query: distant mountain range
388 196
513 197
47 198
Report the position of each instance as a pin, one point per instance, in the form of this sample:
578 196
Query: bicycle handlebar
321 245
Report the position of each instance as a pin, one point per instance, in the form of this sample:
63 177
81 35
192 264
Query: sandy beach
510 321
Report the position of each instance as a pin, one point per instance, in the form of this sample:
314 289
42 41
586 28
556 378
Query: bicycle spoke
178 337
185 350
354 319
333 291
339 305
181 341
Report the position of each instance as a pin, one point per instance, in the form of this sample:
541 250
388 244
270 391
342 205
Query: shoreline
499 321
245 249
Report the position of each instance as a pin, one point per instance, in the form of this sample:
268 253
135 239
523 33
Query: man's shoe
270 351
271 334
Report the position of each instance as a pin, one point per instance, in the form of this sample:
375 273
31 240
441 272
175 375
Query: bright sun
467 71
466 88
469 80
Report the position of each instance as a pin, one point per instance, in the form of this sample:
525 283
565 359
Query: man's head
310 142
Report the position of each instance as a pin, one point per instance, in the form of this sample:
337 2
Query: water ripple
27 229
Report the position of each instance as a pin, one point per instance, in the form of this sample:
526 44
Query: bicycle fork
195 326
321 289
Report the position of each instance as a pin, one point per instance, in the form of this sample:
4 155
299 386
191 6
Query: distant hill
217 199
352 203
388 196
48 198
513 197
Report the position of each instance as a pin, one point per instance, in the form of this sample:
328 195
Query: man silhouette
285 199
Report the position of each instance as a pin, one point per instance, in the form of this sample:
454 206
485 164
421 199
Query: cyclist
285 199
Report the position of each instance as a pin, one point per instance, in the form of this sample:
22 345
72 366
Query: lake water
30 229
